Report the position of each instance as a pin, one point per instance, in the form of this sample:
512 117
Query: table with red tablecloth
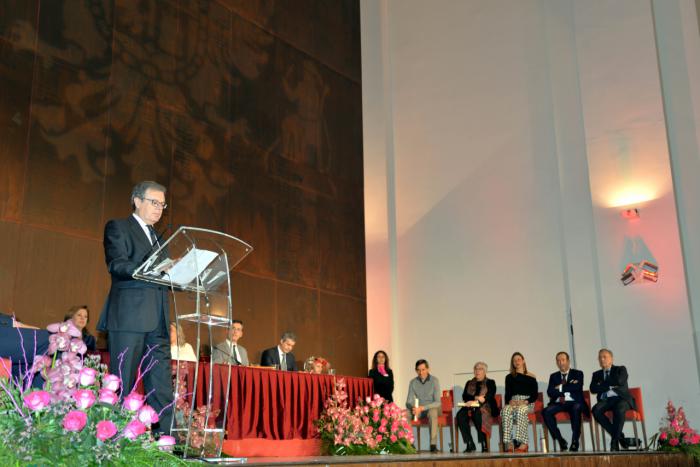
271 404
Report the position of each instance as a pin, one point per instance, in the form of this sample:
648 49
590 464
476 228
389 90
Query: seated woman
520 397
480 396
80 315
183 352
382 376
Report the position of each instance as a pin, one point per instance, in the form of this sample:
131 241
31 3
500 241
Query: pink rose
147 415
695 439
134 429
87 376
379 438
37 400
663 436
106 429
133 401
108 397
393 438
673 442
111 382
166 443
84 398
74 420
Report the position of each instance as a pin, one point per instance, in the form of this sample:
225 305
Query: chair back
447 400
5 367
636 393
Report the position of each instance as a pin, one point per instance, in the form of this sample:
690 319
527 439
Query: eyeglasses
156 203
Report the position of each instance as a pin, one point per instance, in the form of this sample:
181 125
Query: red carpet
255 447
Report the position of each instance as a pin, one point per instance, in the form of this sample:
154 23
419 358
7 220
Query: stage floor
582 459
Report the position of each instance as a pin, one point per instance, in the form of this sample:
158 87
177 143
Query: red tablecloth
271 404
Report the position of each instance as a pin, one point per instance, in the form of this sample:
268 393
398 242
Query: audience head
148 201
176 335
80 315
563 361
605 358
235 332
380 358
422 368
480 369
287 341
517 364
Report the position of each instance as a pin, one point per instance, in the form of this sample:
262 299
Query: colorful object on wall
630 214
638 272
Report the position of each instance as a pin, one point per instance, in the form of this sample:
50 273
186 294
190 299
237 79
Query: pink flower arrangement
78 410
147 415
111 382
133 401
37 400
105 430
87 376
676 433
134 429
84 398
75 420
373 426
108 397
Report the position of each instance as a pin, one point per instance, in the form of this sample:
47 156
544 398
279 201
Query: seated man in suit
18 342
425 389
281 355
230 351
609 384
565 391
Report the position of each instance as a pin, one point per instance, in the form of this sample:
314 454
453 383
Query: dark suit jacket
271 357
573 385
132 305
490 396
617 380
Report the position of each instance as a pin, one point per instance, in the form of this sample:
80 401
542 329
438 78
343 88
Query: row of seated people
565 391
230 351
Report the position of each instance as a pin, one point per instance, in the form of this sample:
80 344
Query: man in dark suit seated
136 313
609 384
281 356
21 343
565 391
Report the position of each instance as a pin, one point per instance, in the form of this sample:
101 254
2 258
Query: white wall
513 131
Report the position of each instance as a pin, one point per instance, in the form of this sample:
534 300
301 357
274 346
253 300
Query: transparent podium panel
195 265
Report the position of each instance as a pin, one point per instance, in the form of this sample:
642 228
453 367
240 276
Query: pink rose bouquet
372 426
676 434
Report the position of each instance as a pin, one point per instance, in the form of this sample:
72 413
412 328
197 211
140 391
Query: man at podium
136 313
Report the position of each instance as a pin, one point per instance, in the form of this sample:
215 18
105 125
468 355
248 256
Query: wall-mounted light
629 275
644 271
649 271
629 214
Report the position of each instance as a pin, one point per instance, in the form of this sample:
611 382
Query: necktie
605 378
283 362
562 399
234 356
152 233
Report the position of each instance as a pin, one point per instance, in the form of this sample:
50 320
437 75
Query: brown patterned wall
248 111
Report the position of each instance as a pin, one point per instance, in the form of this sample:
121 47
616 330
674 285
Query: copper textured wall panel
249 113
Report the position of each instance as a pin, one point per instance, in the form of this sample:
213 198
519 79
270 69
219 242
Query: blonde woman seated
520 397
184 351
